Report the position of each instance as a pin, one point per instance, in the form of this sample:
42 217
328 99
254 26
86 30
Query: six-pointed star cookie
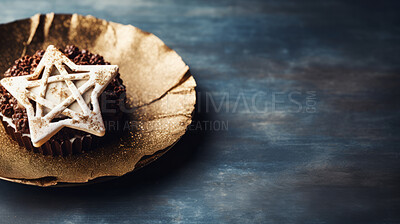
61 94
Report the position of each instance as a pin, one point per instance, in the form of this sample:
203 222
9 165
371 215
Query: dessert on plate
156 100
57 102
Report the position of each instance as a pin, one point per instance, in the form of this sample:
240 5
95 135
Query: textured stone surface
268 161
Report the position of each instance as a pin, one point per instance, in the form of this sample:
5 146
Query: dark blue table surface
297 118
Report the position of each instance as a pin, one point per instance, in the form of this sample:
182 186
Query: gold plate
160 89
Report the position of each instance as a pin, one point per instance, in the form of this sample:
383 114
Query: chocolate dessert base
53 147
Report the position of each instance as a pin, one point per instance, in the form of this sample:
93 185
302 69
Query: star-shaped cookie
61 94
